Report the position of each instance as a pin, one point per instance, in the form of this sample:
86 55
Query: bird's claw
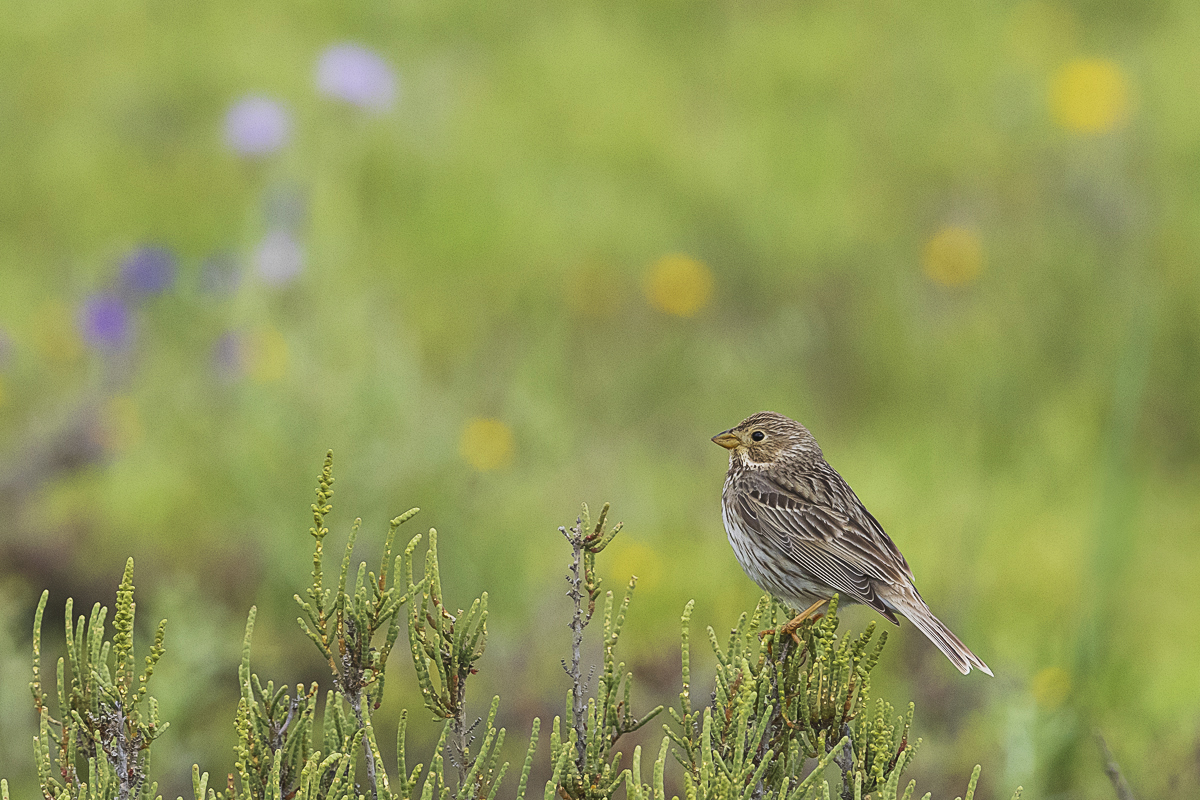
789 629
762 635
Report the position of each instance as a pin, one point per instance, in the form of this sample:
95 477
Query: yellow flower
635 558
266 356
1089 95
679 285
1051 687
953 256
486 444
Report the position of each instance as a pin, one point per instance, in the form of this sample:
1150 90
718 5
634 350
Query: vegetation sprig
785 720
589 766
101 740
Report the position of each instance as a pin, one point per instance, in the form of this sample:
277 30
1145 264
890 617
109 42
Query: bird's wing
844 548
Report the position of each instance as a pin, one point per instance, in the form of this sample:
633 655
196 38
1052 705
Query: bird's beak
728 439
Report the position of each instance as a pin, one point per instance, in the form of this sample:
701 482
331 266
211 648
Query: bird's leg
801 618
790 628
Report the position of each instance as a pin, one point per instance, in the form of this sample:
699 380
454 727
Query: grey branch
578 705
1113 770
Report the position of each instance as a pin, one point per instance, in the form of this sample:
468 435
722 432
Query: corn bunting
801 533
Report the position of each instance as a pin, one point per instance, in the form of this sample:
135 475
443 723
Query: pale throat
737 459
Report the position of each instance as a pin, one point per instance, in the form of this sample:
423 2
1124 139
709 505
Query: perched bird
801 533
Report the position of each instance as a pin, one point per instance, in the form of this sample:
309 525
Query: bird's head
765 438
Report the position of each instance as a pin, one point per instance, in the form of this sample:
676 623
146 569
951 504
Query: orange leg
791 627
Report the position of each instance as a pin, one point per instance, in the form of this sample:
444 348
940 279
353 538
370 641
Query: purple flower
356 75
148 270
227 357
256 126
279 258
104 322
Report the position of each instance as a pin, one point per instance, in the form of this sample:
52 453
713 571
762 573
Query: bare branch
1113 770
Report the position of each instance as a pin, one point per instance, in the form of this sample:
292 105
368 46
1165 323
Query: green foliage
444 648
107 721
785 710
481 250
770 715
585 766
449 643
344 626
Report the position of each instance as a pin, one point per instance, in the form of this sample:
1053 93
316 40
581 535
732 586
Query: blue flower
148 270
356 75
256 126
104 322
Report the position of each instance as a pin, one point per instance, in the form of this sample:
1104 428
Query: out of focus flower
148 270
1089 95
356 75
256 126
220 274
634 558
953 256
679 285
266 356
228 358
279 258
1051 687
486 444
104 322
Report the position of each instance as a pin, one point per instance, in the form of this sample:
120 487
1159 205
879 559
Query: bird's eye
758 436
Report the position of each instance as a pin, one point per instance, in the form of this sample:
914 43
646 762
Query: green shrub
787 714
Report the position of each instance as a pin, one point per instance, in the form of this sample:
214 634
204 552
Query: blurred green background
506 257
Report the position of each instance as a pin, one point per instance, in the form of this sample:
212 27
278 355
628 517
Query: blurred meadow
503 258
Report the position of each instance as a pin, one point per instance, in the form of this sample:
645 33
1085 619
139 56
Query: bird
801 533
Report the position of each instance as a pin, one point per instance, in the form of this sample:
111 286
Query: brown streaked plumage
801 533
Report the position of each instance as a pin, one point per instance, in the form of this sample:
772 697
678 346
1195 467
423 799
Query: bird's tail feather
934 629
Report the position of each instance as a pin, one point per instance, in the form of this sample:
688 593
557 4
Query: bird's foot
792 626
